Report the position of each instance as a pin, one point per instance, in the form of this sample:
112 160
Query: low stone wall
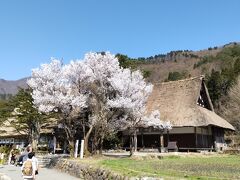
232 151
84 171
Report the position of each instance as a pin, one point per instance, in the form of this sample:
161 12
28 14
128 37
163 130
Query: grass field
176 167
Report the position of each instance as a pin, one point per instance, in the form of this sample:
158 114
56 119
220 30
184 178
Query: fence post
82 149
76 149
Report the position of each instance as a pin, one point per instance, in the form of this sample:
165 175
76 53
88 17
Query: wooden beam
161 142
167 136
207 94
142 139
195 129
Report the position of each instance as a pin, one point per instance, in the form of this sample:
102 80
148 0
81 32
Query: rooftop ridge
181 80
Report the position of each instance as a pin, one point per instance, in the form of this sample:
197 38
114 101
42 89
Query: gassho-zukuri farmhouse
187 105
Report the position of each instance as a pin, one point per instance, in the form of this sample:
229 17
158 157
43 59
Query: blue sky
31 31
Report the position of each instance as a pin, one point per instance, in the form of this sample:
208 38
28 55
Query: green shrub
5 149
174 76
204 60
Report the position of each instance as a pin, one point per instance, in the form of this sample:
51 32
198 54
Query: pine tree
25 117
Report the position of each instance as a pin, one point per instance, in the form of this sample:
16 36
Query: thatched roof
7 130
177 102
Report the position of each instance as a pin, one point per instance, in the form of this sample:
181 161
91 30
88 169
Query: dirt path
44 174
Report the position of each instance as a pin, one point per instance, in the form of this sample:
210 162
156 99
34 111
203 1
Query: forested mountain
220 65
183 63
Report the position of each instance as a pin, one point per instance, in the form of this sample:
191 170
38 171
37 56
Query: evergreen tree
26 118
236 66
214 85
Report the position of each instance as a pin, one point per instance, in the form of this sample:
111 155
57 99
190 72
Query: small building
188 107
9 136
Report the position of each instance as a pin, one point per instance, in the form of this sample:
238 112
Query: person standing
35 160
10 156
29 168
25 155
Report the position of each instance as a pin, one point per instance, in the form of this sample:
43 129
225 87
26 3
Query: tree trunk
86 140
135 140
95 144
131 145
70 138
101 145
34 135
34 144
71 147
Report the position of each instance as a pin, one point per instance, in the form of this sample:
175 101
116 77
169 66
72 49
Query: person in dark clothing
24 156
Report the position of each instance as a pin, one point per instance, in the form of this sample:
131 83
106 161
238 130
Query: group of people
28 163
